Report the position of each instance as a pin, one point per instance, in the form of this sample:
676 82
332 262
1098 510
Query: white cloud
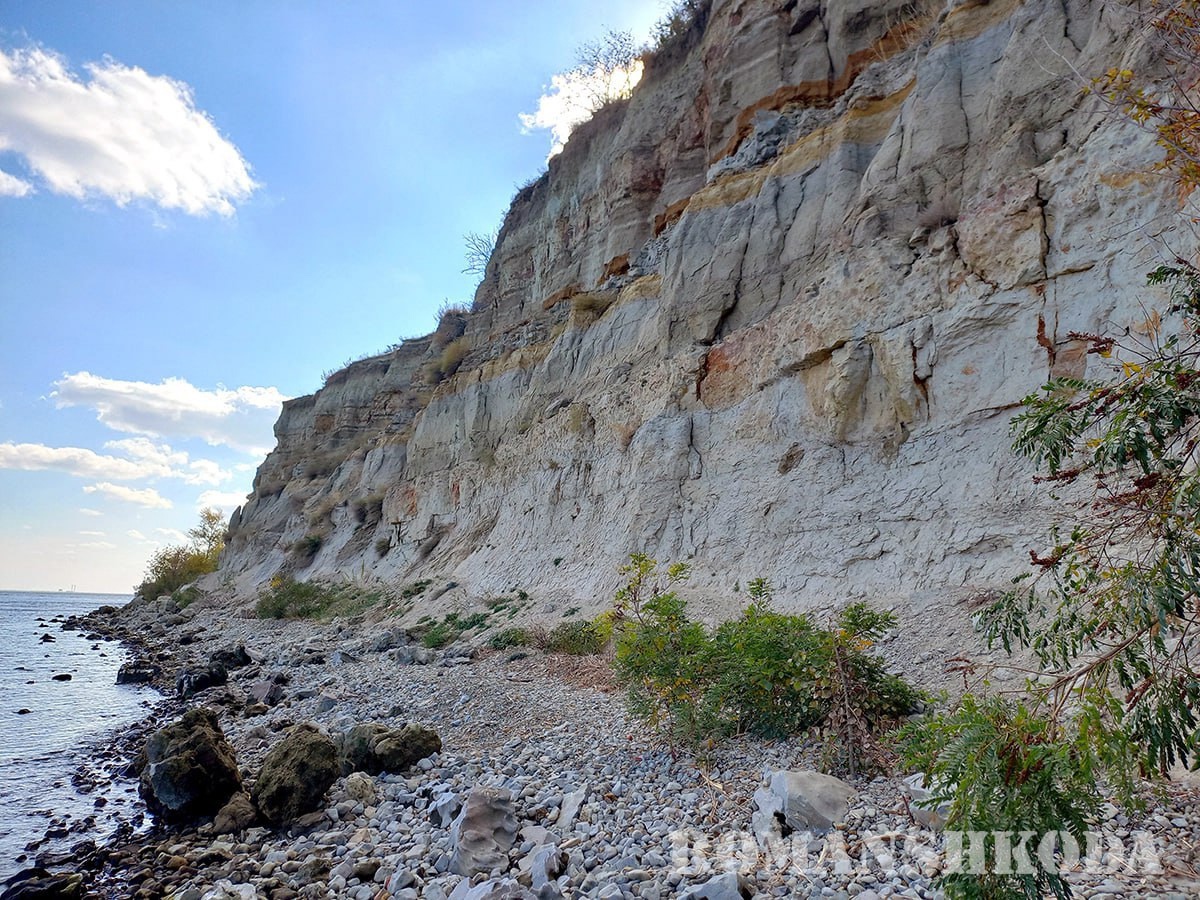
95 545
174 535
11 186
242 418
122 134
136 535
92 533
84 511
573 96
223 500
171 463
142 459
147 497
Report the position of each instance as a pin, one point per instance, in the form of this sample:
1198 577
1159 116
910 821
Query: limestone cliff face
772 315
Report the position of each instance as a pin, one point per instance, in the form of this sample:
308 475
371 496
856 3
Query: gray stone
921 804
800 800
445 810
726 886
484 832
569 809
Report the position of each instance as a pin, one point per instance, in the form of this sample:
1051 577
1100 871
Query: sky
207 205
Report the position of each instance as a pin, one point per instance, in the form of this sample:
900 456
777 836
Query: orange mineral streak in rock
824 93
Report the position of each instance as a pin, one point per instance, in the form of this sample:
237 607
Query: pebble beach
602 807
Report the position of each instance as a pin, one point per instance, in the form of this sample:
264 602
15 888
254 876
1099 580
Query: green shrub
574 638
287 598
439 634
765 672
415 589
185 596
1003 766
508 638
383 546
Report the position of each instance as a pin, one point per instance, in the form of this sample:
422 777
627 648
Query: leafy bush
453 626
573 638
287 598
170 568
1003 766
185 596
508 638
415 589
383 546
765 672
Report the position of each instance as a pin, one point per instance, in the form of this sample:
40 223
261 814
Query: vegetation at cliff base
286 598
170 568
765 673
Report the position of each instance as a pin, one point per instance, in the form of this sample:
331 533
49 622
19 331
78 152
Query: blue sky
206 205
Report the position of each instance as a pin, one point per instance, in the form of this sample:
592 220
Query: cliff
772 315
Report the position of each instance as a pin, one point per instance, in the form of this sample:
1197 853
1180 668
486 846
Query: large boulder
193 681
137 673
800 801
190 769
232 657
296 774
484 832
38 884
373 748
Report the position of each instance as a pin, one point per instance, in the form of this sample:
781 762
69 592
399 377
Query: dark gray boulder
193 681
38 884
230 657
190 769
373 748
296 774
137 673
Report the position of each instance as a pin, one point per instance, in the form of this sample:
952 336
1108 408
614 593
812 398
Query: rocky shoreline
590 804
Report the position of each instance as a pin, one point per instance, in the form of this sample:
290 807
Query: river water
66 727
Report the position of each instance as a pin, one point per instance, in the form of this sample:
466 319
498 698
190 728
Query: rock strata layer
771 315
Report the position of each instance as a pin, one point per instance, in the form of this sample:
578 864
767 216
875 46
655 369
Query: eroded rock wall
772 315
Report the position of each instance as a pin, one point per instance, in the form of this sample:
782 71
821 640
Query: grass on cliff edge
287 598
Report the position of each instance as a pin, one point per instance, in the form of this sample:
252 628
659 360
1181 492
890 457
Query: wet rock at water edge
39 884
190 769
137 673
